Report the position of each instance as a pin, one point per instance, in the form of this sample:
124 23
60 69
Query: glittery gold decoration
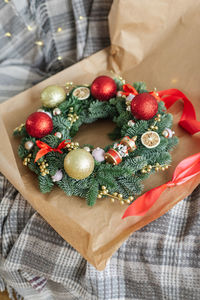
59 29
79 164
156 167
72 117
27 159
154 125
150 139
52 96
43 167
115 196
72 146
69 86
19 128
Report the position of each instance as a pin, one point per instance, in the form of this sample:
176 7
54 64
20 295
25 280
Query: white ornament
28 145
168 133
58 176
86 148
131 123
128 108
46 112
130 97
98 154
119 93
58 135
56 111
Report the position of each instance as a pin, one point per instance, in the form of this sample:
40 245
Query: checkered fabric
160 261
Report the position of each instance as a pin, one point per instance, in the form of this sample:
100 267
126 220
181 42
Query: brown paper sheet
154 41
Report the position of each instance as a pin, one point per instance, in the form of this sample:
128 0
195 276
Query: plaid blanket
160 261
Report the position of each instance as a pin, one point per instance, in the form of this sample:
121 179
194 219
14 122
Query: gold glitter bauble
79 164
52 96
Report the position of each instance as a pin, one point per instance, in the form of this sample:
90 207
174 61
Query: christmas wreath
143 139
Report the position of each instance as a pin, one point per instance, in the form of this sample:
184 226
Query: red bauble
103 88
144 106
39 124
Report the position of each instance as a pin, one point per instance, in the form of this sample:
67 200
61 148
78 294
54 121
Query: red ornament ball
144 106
39 124
103 88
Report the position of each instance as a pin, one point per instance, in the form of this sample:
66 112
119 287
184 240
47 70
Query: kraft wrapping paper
154 41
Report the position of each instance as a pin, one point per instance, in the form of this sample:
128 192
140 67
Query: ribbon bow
129 89
45 148
185 170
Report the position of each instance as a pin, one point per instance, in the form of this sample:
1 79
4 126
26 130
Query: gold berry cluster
19 128
72 117
114 196
27 159
43 167
69 86
72 146
157 167
154 126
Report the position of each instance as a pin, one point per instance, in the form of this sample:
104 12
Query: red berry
144 106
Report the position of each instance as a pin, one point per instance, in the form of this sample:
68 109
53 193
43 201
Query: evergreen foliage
125 178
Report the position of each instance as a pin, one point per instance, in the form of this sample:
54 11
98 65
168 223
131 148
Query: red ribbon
45 148
186 169
188 119
129 89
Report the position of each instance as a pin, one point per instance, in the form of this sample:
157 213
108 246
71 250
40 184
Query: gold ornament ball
52 96
79 164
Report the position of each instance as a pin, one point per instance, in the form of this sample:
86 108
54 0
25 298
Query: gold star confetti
59 29
8 34
39 43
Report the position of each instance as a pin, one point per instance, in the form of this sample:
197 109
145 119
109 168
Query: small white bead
86 148
58 134
131 123
28 145
56 111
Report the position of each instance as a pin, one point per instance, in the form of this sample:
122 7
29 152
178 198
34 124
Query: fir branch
140 87
92 193
45 183
65 184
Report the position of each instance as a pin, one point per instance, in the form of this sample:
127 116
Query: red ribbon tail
142 204
41 153
188 119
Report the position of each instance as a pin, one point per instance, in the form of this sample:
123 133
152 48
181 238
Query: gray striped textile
160 261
